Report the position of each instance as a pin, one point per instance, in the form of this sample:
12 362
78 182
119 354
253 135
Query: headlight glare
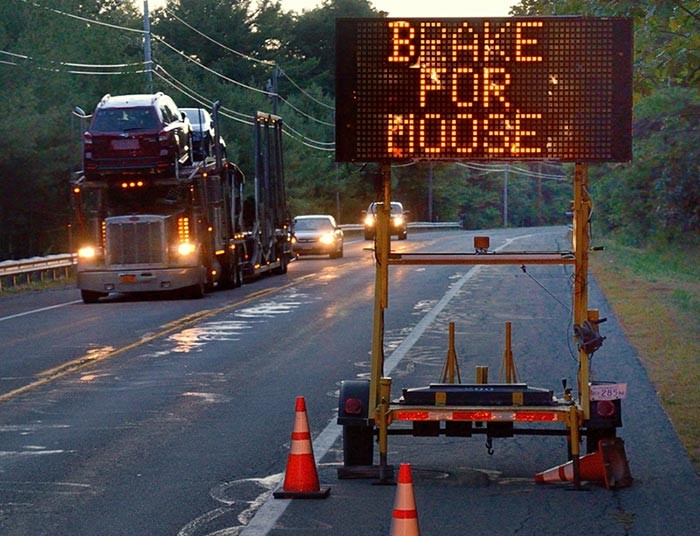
327 238
87 252
185 248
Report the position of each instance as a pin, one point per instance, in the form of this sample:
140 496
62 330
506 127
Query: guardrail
27 271
415 225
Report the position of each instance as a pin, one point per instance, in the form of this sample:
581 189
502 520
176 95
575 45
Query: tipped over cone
608 465
301 478
404 519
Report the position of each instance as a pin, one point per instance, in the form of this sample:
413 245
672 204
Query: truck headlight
185 248
87 253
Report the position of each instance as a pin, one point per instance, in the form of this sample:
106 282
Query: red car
137 133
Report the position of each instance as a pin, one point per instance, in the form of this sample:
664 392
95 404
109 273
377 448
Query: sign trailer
501 89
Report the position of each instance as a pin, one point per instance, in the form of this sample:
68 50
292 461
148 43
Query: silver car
317 234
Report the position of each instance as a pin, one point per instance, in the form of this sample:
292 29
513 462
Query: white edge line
39 310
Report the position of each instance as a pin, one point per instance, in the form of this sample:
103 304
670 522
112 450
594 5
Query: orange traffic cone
301 478
404 520
608 465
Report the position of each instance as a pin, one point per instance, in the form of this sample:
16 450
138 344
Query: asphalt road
161 416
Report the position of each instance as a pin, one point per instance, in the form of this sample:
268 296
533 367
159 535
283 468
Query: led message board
548 88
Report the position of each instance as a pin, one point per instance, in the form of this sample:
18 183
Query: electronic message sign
521 88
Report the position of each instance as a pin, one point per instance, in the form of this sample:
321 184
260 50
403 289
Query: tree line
58 58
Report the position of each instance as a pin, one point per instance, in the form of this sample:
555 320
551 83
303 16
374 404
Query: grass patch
655 294
46 284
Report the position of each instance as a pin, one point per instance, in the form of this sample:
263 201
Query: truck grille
135 240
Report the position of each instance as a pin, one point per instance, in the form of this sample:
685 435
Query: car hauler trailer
412 89
189 231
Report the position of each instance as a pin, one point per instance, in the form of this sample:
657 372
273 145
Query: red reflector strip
535 416
473 415
412 416
299 436
476 415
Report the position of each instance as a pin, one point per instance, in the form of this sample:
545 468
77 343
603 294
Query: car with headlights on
317 234
398 224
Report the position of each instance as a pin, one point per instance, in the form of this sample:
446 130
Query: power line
326 143
59 66
84 19
200 99
501 168
71 64
307 94
240 84
537 174
243 118
173 85
210 70
270 63
176 84
304 113
270 94
241 54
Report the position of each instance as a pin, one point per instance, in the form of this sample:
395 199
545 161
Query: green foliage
656 197
226 50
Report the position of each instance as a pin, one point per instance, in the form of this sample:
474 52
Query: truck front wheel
91 296
195 292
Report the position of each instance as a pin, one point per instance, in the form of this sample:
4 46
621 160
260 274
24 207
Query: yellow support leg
508 365
382 417
451 364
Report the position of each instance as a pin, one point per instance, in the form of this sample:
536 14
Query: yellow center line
87 360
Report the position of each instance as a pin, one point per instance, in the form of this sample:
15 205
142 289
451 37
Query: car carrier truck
189 231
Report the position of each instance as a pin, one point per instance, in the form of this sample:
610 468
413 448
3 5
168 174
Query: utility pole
147 46
80 113
337 195
275 97
271 87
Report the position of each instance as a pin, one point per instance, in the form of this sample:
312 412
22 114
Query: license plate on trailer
125 145
127 278
611 391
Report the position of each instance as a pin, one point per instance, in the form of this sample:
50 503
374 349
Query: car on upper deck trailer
136 134
203 133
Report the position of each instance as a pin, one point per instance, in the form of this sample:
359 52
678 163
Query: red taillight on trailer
353 406
605 409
